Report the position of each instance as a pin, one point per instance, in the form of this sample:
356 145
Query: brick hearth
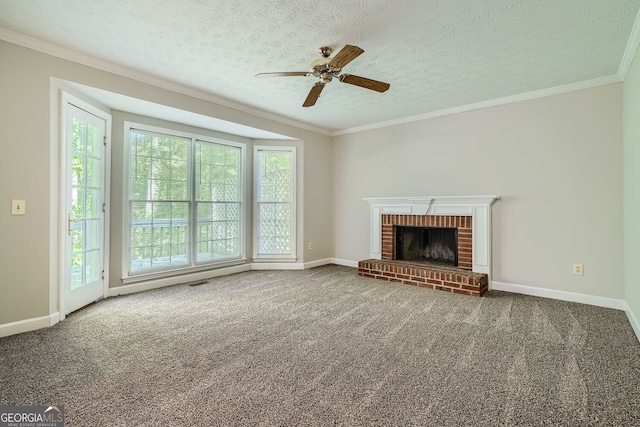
460 279
448 279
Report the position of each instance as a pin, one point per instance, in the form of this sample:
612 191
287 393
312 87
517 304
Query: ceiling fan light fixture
325 69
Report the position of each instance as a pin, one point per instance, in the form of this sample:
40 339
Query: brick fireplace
469 216
461 223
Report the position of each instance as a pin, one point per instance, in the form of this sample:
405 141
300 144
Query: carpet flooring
325 347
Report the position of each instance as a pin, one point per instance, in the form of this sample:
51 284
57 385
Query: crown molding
630 50
100 64
588 84
110 67
627 59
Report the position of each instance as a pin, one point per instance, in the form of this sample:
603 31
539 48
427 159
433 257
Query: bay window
185 200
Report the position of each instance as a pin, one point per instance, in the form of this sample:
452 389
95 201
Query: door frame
66 98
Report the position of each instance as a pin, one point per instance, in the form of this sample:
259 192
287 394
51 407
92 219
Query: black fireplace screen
427 244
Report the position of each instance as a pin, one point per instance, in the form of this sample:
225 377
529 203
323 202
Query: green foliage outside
165 189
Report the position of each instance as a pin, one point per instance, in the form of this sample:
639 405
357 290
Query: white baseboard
345 262
29 324
617 304
169 281
208 274
635 324
260 266
318 263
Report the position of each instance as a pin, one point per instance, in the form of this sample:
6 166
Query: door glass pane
76 270
93 205
93 271
86 203
79 136
77 240
93 140
77 170
92 240
93 171
77 203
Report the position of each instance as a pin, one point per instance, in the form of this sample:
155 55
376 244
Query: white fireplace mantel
478 207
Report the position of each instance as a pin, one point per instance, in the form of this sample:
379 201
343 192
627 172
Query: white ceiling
437 54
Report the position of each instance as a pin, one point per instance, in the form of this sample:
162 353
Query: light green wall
27 264
631 125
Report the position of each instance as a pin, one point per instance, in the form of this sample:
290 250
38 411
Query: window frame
192 265
292 256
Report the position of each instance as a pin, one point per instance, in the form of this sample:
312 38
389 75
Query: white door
84 172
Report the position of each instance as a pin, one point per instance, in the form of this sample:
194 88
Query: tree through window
184 201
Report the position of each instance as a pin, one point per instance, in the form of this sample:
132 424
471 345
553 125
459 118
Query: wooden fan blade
346 55
285 74
365 82
314 94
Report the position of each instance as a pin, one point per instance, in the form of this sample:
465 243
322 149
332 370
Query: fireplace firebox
435 245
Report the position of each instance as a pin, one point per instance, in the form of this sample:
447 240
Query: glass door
84 208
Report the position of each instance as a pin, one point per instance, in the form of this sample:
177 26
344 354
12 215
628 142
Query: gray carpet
325 347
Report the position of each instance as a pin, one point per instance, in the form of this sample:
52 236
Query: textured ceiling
437 54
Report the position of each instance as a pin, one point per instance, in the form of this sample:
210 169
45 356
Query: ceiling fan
325 69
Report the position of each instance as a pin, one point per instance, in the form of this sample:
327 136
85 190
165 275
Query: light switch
18 207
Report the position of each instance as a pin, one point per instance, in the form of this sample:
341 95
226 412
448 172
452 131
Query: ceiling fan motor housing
321 69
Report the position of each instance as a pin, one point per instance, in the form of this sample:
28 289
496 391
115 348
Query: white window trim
128 277
292 257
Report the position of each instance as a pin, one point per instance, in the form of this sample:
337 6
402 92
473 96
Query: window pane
159 235
169 176
158 166
275 176
217 172
218 235
217 186
274 229
275 222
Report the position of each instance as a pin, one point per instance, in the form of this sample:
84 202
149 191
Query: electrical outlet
578 269
310 245
18 207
